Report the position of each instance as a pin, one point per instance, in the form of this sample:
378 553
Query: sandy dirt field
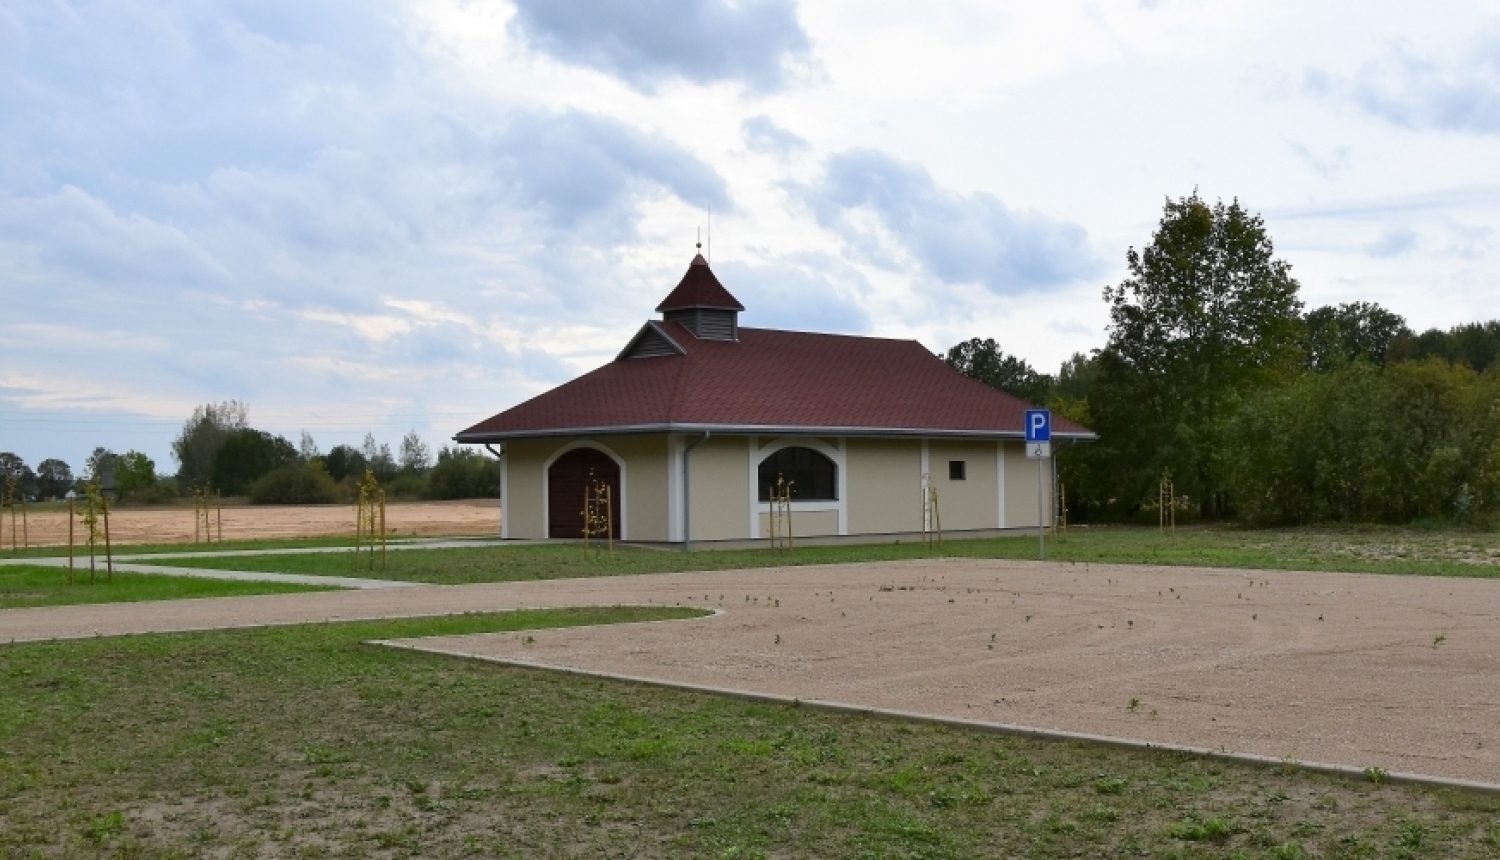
1401 673
261 522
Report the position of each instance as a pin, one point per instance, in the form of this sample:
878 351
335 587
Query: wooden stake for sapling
109 556
70 541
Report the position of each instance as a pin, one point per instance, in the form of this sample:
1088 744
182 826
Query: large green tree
13 467
246 456
344 461
985 361
1474 344
100 465
54 478
197 446
1358 331
134 473
1207 315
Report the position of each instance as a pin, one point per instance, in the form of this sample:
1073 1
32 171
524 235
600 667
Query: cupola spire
702 305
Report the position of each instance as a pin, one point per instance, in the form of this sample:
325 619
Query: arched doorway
567 481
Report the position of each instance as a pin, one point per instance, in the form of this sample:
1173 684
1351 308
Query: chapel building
696 420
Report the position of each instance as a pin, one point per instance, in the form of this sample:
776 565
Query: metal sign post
1039 448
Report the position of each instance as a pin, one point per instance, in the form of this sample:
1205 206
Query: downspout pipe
687 507
499 482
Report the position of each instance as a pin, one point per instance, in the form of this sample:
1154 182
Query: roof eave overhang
662 310
476 438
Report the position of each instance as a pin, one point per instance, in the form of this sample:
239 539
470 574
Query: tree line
1214 377
218 451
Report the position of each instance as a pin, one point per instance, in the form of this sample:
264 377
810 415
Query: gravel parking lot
1396 672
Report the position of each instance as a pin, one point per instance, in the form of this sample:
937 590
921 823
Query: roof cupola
702 305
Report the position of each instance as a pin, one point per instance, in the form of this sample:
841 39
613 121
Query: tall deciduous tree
54 478
201 438
134 472
247 455
308 448
12 466
1474 344
985 361
1207 315
1358 331
378 458
343 461
415 455
101 463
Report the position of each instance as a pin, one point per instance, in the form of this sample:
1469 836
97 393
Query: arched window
813 476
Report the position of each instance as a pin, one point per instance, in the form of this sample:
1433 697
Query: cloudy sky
379 215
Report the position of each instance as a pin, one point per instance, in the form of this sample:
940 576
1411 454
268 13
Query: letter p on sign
1038 425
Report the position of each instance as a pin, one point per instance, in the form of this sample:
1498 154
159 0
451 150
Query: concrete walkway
417 543
132 562
1395 672
423 543
122 566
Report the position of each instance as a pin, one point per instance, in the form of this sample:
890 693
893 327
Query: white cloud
879 203
648 42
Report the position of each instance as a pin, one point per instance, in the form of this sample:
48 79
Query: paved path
131 563
1396 672
239 575
420 543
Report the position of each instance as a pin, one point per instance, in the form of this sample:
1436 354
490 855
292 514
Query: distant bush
463 473
406 486
159 493
296 484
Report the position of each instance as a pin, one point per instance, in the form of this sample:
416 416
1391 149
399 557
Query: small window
955 470
813 476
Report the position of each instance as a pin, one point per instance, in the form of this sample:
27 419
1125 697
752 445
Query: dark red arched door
567 481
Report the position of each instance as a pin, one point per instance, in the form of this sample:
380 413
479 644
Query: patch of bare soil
272 522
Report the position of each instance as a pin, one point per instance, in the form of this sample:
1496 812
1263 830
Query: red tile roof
772 381
699 289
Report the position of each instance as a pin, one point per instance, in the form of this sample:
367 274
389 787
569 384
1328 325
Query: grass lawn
1373 550
23 585
303 742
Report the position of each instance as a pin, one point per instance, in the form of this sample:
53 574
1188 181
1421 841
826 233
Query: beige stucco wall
1021 487
882 481
720 494
647 460
523 486
805 523
884 485
646 465
973 503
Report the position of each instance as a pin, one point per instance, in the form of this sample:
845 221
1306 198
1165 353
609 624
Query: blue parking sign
1038 425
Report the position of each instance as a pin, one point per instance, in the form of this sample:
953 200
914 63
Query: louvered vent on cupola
702 305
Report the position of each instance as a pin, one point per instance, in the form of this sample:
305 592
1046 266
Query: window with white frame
811 476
